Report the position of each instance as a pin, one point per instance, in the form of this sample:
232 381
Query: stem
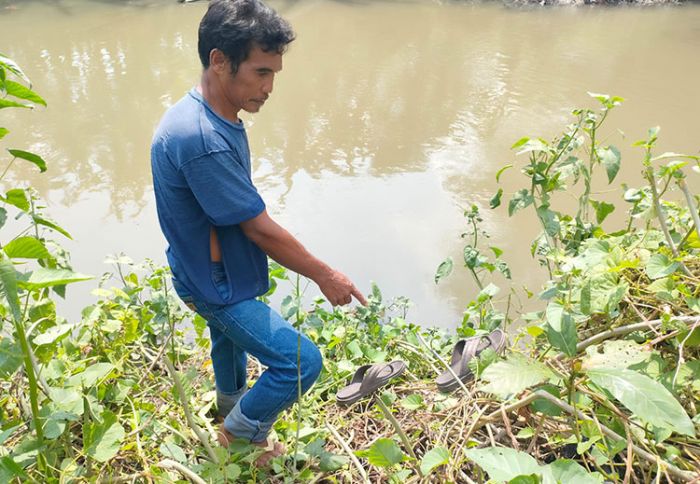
33 391
660 214
348 450
397 427
188 473
8 168
691 204
476 279
86 426
188 414
299 392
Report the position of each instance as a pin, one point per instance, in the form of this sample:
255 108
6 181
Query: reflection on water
388 120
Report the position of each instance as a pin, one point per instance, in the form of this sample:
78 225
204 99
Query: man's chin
252 107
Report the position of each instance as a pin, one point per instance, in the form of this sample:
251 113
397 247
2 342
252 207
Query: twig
188 473
623 330
509 431
681 359
651 458
348 450
188 415
629 459
155 360
639 313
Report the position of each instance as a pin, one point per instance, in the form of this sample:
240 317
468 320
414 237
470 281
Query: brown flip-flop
463 352
367 379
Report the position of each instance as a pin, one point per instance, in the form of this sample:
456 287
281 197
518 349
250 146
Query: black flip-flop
463 352
367 379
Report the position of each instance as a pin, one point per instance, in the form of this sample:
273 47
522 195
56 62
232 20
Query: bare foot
225 438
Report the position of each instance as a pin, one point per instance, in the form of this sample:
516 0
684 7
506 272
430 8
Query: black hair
234 26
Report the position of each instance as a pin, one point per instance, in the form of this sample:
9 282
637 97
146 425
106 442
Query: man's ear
218 61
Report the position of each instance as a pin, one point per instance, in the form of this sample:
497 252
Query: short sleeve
223 188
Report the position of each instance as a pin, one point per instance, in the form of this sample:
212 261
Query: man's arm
279 244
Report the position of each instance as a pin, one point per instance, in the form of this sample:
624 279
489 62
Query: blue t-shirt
202 178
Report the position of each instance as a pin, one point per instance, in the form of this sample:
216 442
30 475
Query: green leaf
514 375
6 433
532 144
615 354
488 292
496 199
18 198
22 92
521 199
91 375
472 257
549 221
602 293
561 329
289 307
520 142
8 287
45 277
500 172
602 210
6 103
664 289
173 451
503 463
10 357
9 469
332 462
3 217
103 439
383 453
444 269
10 65
531 479
543 405
503 268
3 132
68 399
52 334
30 157
50 224
607 101
610 157
647 399
660 266
412 402
434 458
569 471
26 248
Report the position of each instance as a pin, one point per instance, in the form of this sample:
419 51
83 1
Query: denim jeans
253 327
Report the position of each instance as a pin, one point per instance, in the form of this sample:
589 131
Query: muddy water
387 120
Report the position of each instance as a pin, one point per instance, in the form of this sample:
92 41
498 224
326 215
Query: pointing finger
358 295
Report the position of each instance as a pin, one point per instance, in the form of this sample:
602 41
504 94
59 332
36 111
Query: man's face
251 85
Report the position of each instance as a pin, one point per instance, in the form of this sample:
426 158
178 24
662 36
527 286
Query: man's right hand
285 249
339 289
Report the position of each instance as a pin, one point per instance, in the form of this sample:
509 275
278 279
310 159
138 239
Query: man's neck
216 97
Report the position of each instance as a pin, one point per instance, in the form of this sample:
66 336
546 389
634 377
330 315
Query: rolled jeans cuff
225 401
242 427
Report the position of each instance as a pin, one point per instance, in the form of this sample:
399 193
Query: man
218 229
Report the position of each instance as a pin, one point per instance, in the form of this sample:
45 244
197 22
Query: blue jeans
253 327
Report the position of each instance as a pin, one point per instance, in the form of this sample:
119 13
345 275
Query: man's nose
267 86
